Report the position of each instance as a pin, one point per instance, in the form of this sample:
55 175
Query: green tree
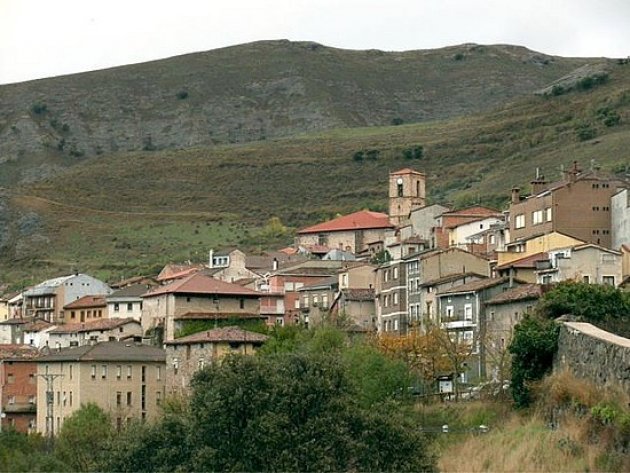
83 437
21 452
534 343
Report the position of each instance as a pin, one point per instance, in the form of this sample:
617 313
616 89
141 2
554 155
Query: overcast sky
43 38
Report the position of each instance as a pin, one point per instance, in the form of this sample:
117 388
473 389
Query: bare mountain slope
253 92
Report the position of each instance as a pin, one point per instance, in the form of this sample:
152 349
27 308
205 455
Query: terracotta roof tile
527 262
518 293
223 334
359 294
477 285
13 352
201 284
405 171
361 220
87 301
103 324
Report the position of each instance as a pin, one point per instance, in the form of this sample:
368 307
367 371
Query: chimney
210 259
574 172
516 195
539 183
275 264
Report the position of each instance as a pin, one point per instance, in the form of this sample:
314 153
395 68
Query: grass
523 441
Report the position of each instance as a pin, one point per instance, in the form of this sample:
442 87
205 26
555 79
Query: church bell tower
406 193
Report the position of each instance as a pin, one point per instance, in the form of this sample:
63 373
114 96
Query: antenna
50 400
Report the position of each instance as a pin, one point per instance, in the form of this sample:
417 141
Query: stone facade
591 353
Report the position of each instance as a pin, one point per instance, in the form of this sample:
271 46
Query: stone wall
594 354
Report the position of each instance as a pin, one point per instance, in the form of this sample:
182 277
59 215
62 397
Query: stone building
620 215
197 297
186 355
125 379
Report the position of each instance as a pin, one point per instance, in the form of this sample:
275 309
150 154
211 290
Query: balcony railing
20 407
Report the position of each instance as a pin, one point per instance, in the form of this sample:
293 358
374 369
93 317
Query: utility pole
50 399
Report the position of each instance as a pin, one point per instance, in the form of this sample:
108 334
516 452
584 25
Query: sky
44 38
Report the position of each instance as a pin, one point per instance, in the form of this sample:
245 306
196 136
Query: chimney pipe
275 264
516 195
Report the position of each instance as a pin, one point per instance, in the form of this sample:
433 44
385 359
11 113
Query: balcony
457 324
20 408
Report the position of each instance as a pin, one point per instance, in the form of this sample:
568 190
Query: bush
39 108
397 121
533 345
458 56
182 94
358 156
416 152
585 132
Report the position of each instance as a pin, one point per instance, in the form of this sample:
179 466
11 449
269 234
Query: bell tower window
399 187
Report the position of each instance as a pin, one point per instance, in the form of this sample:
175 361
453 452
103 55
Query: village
472 273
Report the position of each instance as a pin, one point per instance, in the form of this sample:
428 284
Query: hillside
126 212
119 213
252 92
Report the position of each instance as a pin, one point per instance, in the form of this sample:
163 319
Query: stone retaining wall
594 354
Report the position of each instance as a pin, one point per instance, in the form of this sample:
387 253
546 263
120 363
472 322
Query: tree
533 345
83 437
602 305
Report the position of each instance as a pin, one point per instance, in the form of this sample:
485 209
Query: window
608 280
395 298
129 398
11 399
395 273
492 239
70 369
537 217
241 303
548 214
586 279
10 378
32 400
128 371
519 221
70 398
546 279
104 371
158 374
129 306
93 371
116 307
64 399
158 398
449 311
395 324
468 313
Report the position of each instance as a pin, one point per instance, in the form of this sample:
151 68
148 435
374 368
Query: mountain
165 160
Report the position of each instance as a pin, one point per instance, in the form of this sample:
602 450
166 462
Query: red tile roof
176 271
362 220
223 334
200 284
87 301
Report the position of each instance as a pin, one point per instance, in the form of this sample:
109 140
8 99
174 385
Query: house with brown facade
187 355
578 206
197 298
125 379
18 387
86 309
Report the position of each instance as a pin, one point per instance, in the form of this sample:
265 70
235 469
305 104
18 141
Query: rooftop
101 324
477 285
526 262
133 291
201 284
108 351
518 293
362 220
223 334
17 352
87 301
358 294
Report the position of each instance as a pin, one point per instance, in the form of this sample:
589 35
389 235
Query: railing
20 407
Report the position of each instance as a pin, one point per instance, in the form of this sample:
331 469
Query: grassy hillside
126 212
253 92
